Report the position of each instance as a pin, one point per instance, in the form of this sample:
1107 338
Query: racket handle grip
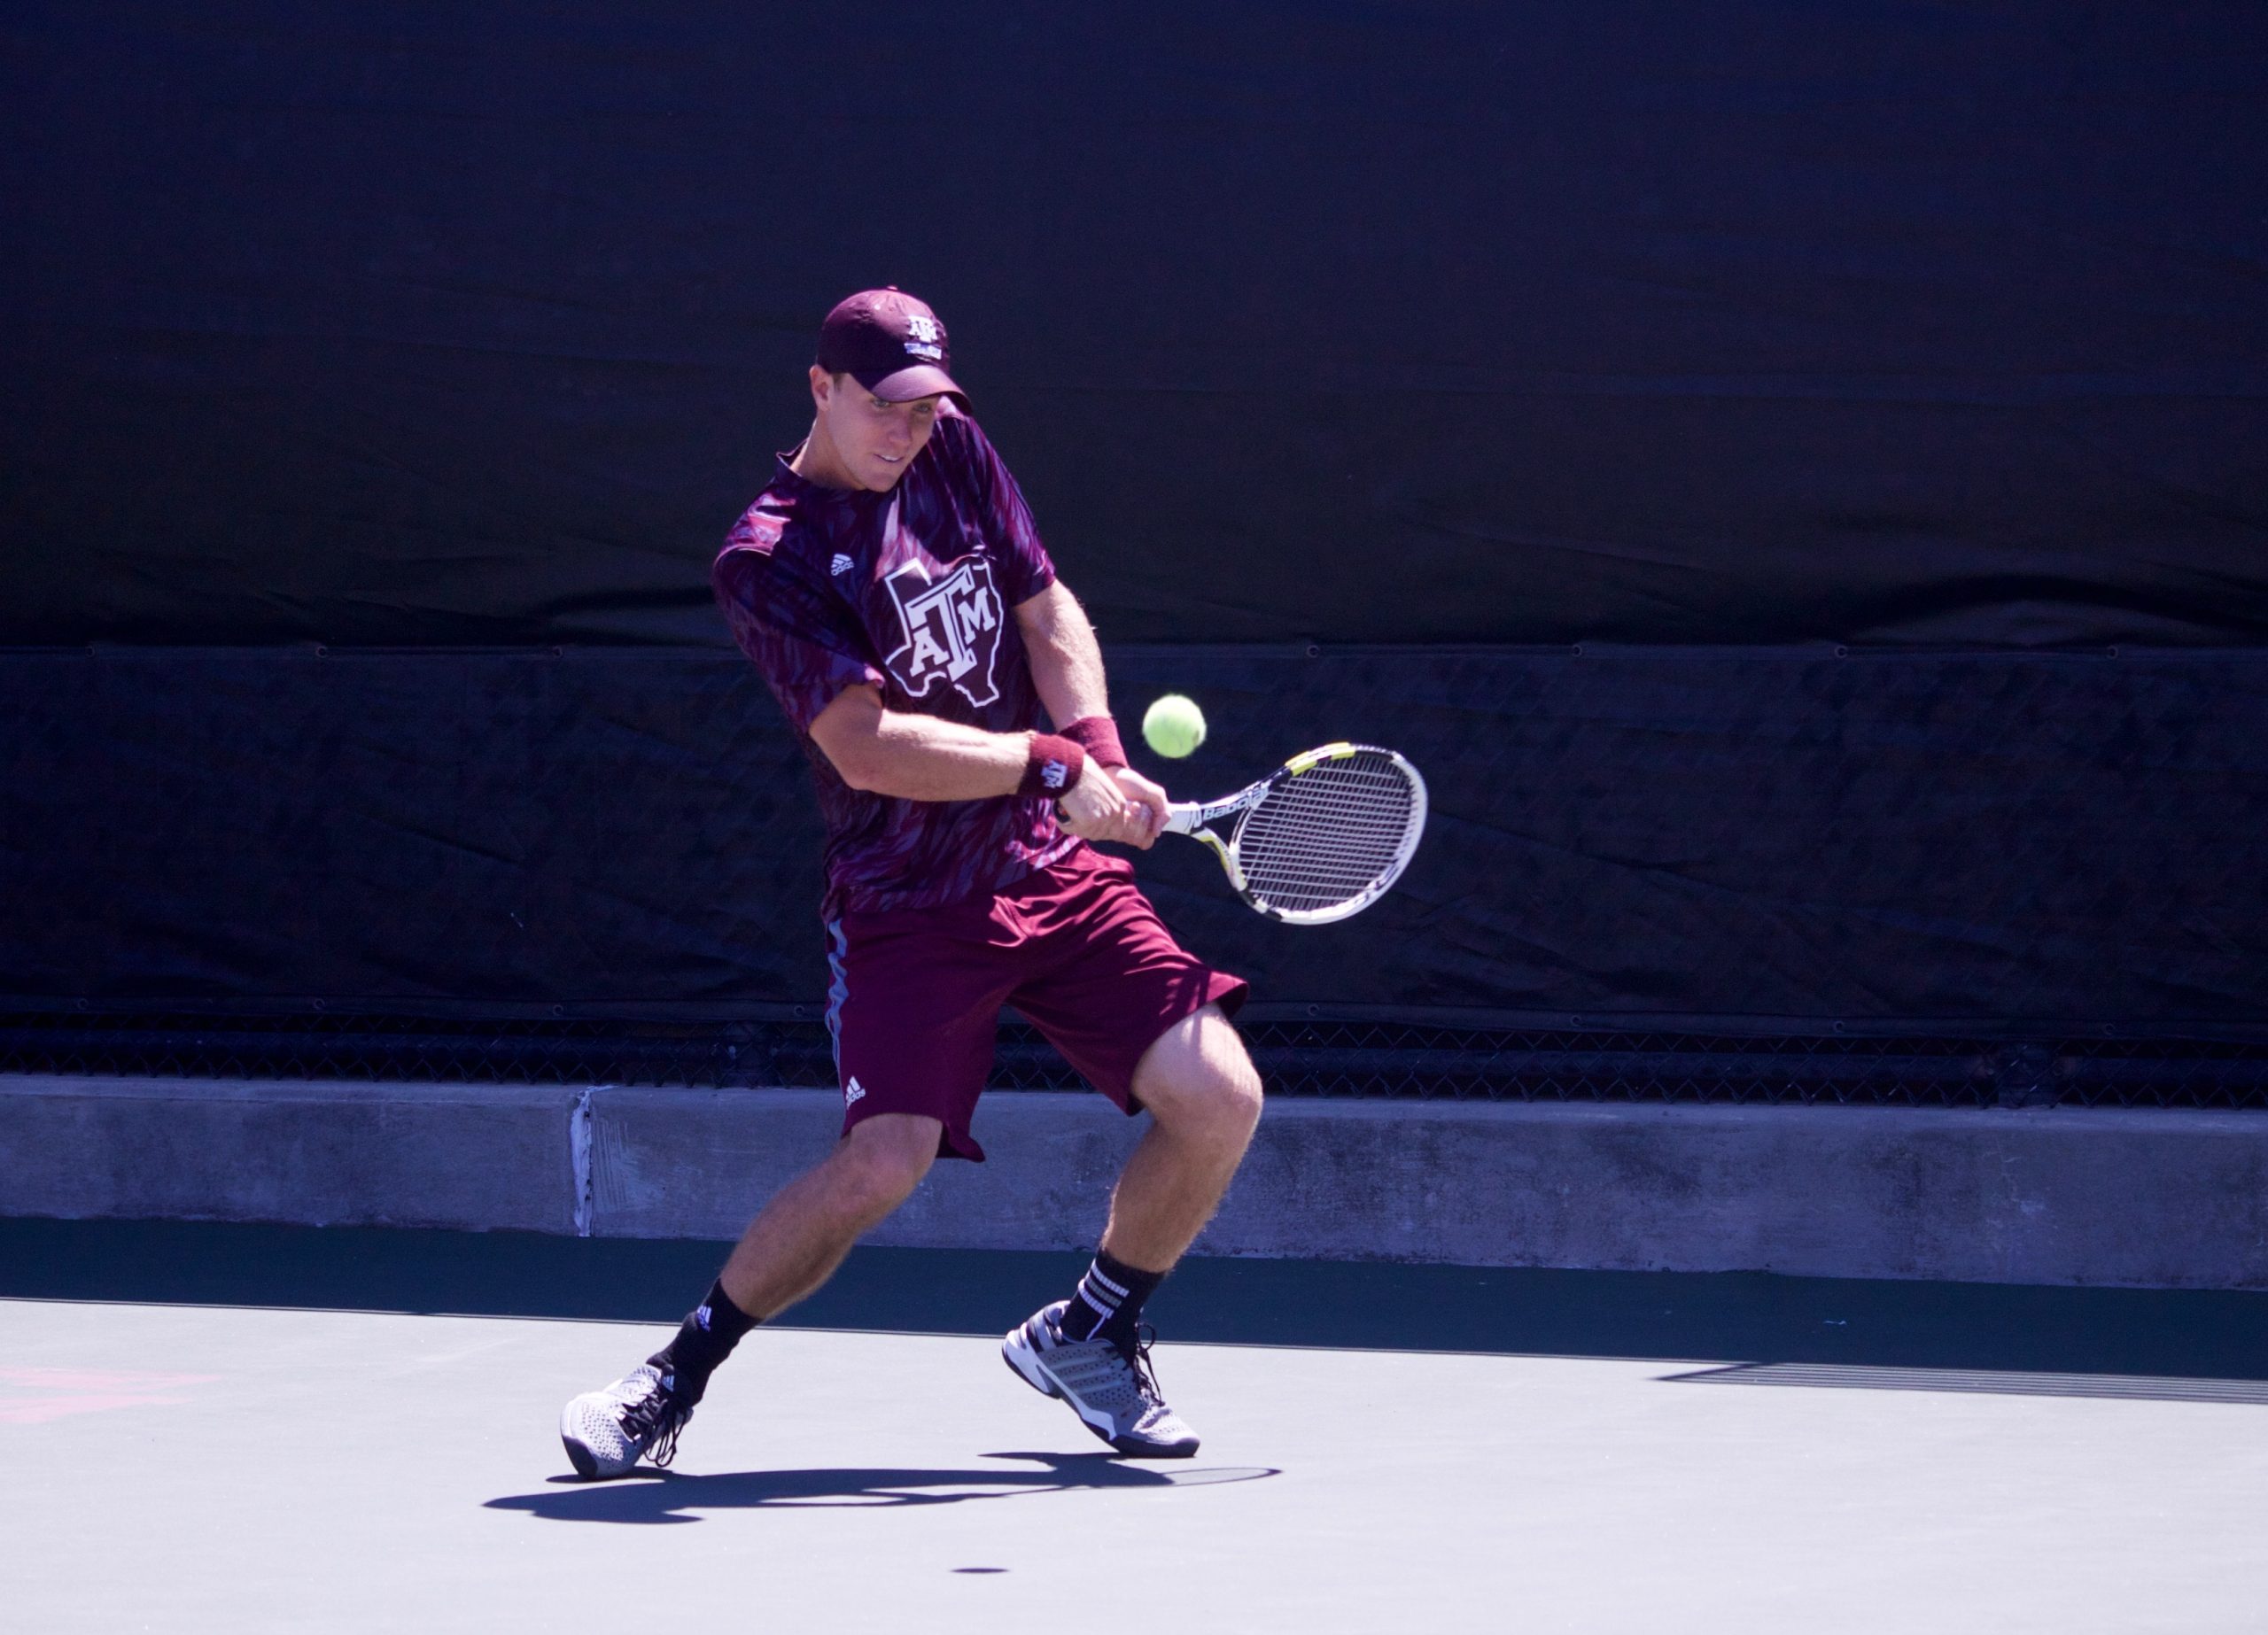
1181 817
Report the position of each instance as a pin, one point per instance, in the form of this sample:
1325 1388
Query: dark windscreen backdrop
1518 324
1451 336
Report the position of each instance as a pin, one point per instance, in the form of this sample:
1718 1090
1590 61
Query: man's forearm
921 758
917 757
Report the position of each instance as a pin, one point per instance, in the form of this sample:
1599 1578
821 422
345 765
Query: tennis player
948 692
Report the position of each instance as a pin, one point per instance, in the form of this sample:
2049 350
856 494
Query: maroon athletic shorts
1075 947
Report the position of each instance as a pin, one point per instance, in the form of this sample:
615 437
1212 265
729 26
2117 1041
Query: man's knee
1197 1077
882 1160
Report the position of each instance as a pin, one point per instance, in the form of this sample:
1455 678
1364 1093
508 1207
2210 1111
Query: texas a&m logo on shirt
952 629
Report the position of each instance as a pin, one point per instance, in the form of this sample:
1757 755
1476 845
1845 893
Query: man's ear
822 386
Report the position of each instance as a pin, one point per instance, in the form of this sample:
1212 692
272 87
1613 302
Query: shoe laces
1146 1373
654 1417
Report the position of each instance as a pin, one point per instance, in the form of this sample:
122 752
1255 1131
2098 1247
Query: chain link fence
1317 1057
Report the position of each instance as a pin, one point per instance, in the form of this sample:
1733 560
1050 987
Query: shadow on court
657 1497
1847 1325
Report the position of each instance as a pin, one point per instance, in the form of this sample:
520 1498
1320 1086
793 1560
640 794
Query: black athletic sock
1108 1302
705 1339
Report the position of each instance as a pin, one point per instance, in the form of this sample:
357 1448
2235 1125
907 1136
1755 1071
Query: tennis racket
1320 838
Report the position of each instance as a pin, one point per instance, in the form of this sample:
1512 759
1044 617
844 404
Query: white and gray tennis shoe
638 1416
1114 1394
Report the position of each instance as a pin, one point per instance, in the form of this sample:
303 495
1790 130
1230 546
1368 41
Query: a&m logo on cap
922 331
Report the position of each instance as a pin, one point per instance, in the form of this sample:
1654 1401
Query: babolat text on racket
1320 838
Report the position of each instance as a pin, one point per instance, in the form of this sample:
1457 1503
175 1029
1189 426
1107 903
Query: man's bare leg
1204 1100
788 1249
798 1240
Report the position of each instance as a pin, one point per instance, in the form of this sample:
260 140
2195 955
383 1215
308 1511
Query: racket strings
1330 834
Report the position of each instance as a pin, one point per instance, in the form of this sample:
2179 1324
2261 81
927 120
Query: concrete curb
477 1157
2050 1196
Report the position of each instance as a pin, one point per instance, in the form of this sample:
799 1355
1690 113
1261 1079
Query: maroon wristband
1097 735
1054 768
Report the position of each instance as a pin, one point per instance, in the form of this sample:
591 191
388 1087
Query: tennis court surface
243 1428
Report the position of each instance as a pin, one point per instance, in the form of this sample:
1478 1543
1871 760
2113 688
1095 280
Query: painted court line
34 1396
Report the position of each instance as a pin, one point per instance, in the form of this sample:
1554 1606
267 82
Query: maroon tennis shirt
913 591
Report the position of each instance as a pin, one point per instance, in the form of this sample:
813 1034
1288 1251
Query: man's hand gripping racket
1320 838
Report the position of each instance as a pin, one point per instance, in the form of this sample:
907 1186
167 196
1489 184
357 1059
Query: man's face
875 440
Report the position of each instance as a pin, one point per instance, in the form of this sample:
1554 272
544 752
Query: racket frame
1195 819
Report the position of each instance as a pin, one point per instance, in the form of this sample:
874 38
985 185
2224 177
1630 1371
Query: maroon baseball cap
890 343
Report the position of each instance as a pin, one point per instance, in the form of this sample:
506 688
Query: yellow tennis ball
1173 726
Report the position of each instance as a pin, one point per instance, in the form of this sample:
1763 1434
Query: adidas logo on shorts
853 1090
840 565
